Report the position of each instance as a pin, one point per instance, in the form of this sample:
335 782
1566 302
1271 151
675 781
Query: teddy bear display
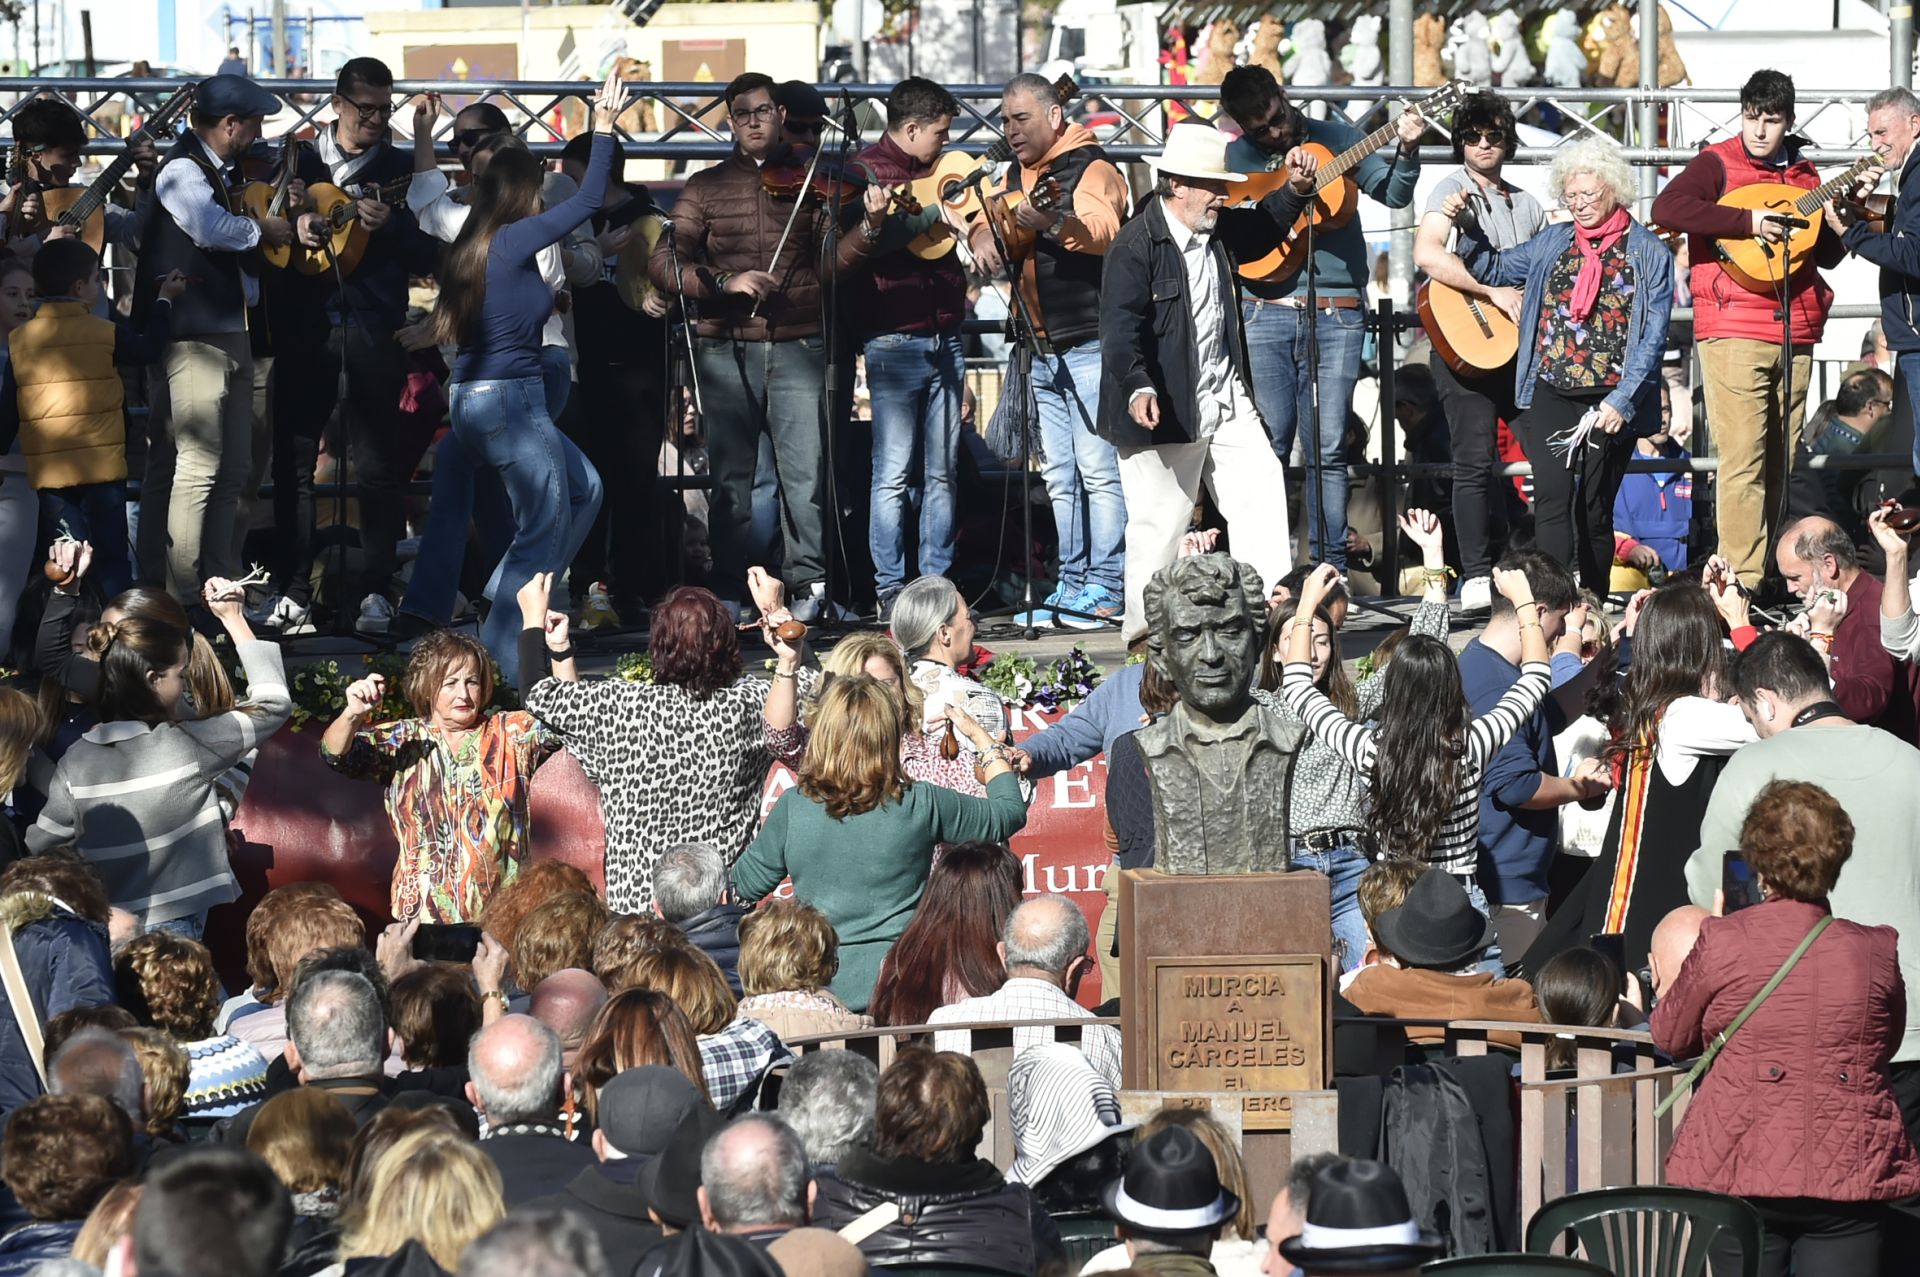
1429 38
1619 61
1216 56
1466 50
1360 58
1673 70
1566 62
1512 64
1309 65
1267 35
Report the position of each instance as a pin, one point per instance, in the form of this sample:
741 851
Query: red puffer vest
1724 308
1800 1103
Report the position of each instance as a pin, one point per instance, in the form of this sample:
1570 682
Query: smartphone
1614 946
1738 887
446 942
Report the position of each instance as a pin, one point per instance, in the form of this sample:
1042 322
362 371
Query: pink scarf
1592 243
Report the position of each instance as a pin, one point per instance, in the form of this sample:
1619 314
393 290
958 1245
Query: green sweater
1876 778
866 872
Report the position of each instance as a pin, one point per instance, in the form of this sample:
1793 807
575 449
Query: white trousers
1162 483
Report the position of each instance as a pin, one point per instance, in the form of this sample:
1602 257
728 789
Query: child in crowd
62 397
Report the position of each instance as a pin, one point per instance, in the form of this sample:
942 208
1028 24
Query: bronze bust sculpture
1221 762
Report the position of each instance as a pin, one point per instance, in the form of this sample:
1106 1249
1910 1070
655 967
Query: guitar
83 208
347 242
1472 334
1020 239
1335 198
1759 266
259 198
946 189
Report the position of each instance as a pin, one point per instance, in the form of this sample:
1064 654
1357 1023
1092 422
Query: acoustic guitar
945 188
1472 334
263 198
1336 197
347 237
1759 266
84 207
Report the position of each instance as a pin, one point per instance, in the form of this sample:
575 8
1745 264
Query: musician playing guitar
1738 329
1483 140
1270 127
1893 126
906 314
1060 281
48 138
326 318
749 260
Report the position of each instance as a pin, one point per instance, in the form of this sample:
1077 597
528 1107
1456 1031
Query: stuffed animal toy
1512 65
641 117
1309 65
1467 51
1216 58
1361 53
1672 69
1266 36
1566 63
1619 51
1429 38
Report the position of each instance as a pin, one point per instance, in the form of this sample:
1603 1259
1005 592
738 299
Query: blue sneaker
1097 607
1044 616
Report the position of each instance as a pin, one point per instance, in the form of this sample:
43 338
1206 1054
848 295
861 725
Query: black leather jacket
964 1213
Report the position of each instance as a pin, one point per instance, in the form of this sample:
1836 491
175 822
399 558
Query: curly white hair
1599 157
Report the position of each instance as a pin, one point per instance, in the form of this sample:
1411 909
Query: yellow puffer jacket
72 425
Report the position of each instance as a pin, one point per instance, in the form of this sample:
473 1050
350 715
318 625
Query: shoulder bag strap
21 1002
1721 1038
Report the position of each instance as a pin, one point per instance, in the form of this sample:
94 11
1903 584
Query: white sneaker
1476 594
599 613
260 614
376 615
281 615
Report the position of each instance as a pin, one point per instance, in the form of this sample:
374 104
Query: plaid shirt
734 1058
1025 998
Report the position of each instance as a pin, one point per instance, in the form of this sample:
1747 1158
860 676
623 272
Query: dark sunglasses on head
1488 137
472 137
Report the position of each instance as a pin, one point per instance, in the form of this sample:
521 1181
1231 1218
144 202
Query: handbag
1721 1038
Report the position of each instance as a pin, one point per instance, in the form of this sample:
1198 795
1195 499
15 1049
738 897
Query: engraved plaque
1246 1024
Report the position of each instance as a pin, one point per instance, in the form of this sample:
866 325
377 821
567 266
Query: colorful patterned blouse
1587 355
461 819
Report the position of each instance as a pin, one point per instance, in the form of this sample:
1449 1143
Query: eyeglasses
370 108
1880 403
1583 199
758 115
1483 137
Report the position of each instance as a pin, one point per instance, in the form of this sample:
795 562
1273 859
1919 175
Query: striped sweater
142 802
1455 848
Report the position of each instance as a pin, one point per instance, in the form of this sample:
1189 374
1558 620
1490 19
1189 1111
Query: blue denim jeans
1907 366
464 494
1343 867
552 490
915 381
191 927
1082 472
95 512
1282 391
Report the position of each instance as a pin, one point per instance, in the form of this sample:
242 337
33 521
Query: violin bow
799 202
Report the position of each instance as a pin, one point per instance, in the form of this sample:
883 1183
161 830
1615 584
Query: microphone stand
827 267
680 355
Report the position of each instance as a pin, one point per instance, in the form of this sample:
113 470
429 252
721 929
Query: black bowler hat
224 95
1171 1186
1358 1222
1436 926
669 1183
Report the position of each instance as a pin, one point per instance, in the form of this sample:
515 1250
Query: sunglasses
472 137
1483 137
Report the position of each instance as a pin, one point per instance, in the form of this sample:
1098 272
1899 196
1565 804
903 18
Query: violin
833 182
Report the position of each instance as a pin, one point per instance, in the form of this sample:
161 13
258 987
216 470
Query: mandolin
347 242
83 207
262 198
1336 198
1472 334
1759 266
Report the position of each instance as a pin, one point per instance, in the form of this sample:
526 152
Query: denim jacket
1637 397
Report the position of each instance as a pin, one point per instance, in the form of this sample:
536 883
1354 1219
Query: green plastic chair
1649 1231
1515 1266
1085 1236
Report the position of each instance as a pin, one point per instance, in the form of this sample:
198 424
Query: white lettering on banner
779 781
1076 780
1022 719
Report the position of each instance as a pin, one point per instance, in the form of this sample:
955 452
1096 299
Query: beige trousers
1741 378
199 454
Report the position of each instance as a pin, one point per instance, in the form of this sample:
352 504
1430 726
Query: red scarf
1592 243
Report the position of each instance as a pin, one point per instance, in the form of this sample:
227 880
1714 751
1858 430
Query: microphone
1792 223
979 175
852 126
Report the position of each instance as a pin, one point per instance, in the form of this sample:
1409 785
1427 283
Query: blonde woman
433 1191
879 657
789 954
857 835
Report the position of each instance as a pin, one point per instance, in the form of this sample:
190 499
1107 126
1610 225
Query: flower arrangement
634 667
1059 685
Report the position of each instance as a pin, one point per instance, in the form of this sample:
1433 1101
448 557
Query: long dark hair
130 651
1579 988
1419 744
1676 652
1334 681
955 932
507 191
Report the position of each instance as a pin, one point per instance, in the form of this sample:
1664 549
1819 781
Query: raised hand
1635 606
223 598
768 592
1893 544
365 695
1512 585
1317 586
559 631
1422 527
609 102
533 598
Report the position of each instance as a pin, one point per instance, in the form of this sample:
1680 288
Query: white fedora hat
1196 150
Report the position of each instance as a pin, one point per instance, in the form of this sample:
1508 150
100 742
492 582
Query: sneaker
1097 607
1476 594
285 617
1044 616
376 615
814 606
598 614
883 607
